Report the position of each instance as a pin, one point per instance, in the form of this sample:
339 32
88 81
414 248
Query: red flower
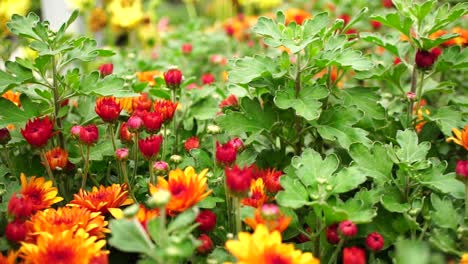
149 146
346 18
237 144
187 48
425 59
141 103
332 234
387 3
348 228
206 246
375 241
89 134
20 207
226 154
271 178
134 123
396 61
462 168
208 78
354 255
152 121
192 143
166 108
207 220
57 158
16 231
173 78
376 24
106 69
238 180
108 109
125 136
230 101
38 131
5 136
351 31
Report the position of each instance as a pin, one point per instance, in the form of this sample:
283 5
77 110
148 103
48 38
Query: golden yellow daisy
461 137
104 199
62 248
39 191
263 247
67 218
187 188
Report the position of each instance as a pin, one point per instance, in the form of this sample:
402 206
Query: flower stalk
86 167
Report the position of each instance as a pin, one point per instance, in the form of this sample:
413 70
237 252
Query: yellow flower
126 13
461 137
257 196
62 248
464 259
263 247
80 4
39 192
10 7
104 199
187 188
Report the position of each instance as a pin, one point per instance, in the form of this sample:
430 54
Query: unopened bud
213 129
176 159
159 199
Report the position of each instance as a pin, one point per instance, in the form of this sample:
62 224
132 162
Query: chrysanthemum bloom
135 123
237 144
67 218
20 207
152 121
5 136
257 196
160 167
104 199
126 103
464 259
192 143
108 109
13 97
425 59
207 220
461 137
38 131
166 108
354 255
150 146
142 102
238 180
57 158
89 134
271 177
97 20
66 247
230 101
173 78
125 14
375 241
187 188
39 192
148 76
296 15
226 153
462 169
144 215
208 78
10 258
124 134
270 216
265 247
206 244
106 69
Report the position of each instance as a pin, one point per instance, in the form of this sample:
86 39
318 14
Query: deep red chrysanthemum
166 108
425 59
16 231
108 109
152 121
354 255
89 134
226 153
173 78
238 180
192 143
149 146
38 131
5 136
208 78
230 101
207 220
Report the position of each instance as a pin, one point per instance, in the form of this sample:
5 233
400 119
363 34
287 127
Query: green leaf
441 239
410 151
358 211
294 194
393 201
269 29
109 86
447 118
307 103
24 26
373 162
103 148
445 14
394 20
83 49
347 179
365 99
354 59
452 58
252 119
205 109
209 202
247 69
315 25
442 209
390 44
310 166
435 179
182 220
412 252
11 114
129 236
14 75
337 124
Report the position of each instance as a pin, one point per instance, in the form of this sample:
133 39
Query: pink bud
75 130
121 153
134 123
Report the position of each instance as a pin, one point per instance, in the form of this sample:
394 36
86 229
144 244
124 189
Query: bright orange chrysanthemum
263 247
39 191
14 97
461 137
148 76
67 218
187 188
9 259
257 196
296 15
145 214
57 158
104 199
278 221
62 248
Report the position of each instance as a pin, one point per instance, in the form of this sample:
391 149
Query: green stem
419 91
174 123
237 216
86 168
214 153
191 10
228 205
8 160
164 142
123 165
334 257
114 146
135 155
55 91
47 166
413 90
150 168
298 119
162 226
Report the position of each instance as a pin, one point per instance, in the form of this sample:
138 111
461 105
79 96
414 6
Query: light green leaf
447 118
434 178
393 201
394 20
310 167
109 86
24 25
14 75
11 114
410 151
347 179
365 99
182 220
307 104
294 194
442 209
247 69
412 252
373 162
129 236
354 59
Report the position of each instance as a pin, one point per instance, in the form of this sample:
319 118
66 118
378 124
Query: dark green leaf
365 99
410 151
373 162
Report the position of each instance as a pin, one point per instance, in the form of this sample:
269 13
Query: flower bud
121 154
131 211
354 255
270 211
206 244
173 78
187 48
75 131
347 228
213 129
332 234
462 169
207 220
159 198
134 123
425 59
5 136
106 69
89 134
238 180
375 241
192 143
237 143
208 78
16 231
410 95
160 167
19 207
176 159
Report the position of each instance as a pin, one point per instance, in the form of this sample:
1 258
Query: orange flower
142 102
263 247
148 76
464 259
257 196
145 214
62 248
167 109
296 15
14 97
126 103
187 188
270 216
39 192
57 158
104 199
461 40
67 218
461 137
9 259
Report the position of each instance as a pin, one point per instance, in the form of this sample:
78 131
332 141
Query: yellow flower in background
10 7
262 4
263 247
126 13
81 4
464 259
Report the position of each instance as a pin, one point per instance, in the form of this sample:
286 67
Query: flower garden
249 131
